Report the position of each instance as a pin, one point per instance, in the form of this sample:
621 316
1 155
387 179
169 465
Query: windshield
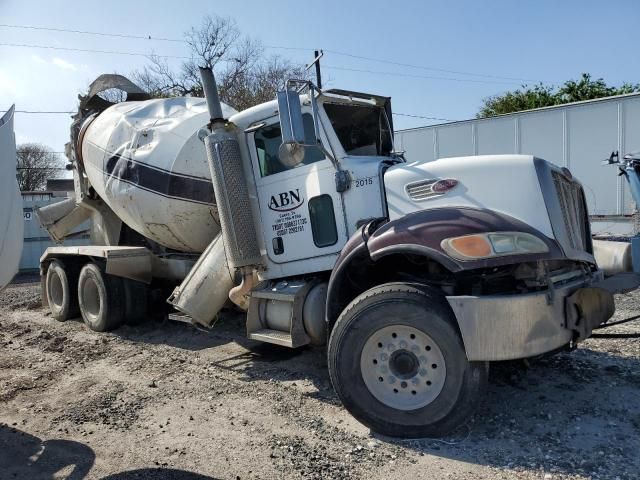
362 129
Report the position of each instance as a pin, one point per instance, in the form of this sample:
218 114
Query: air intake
426 189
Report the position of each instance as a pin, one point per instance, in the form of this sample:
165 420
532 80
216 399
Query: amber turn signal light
493 244
474 246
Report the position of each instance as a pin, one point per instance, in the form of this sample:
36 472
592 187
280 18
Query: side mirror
294 138
291 126
291 154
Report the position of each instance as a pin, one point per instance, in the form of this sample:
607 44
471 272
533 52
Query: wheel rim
56 290
91 298
403 367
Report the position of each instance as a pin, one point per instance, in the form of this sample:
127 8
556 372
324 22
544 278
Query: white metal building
576 135
36 238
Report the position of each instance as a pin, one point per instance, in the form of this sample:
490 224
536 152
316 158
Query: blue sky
543 40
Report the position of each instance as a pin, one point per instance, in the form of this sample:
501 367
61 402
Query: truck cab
305 219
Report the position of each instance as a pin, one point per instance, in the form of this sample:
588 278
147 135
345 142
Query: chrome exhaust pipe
211 95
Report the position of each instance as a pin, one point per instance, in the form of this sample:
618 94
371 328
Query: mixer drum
145 160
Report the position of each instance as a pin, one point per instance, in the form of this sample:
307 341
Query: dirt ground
165 400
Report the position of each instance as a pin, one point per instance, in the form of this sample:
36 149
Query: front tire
101 297
398 364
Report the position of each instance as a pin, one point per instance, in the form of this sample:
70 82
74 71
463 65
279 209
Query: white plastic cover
11 218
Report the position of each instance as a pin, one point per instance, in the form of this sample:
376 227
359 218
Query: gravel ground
165 400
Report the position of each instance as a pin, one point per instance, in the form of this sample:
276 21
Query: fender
421 233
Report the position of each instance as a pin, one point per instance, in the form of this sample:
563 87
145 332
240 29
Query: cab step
180 317
277 337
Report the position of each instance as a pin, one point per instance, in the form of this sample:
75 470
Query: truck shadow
24 456
228 328
157 474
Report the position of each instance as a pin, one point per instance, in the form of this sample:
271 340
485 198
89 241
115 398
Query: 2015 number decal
363 182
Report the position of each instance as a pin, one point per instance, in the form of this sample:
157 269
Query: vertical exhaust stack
229 184
211 95
206 288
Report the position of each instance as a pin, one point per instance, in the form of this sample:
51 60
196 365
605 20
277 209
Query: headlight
493 244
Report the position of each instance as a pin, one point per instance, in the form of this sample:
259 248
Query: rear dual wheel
61 285
101 298
398 364
104 301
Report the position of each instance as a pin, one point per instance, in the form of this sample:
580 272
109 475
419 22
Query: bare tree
113 95
36 163
246 76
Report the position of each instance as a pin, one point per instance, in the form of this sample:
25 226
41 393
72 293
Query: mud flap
587 308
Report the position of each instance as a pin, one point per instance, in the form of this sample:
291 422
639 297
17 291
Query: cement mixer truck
302 213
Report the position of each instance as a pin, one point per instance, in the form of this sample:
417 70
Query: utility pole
317 62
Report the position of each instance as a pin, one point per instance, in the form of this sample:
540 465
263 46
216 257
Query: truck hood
503 183
529 189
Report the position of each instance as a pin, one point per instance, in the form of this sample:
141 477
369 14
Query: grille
574 210
422 190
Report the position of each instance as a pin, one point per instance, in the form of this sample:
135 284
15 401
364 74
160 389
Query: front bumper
507 327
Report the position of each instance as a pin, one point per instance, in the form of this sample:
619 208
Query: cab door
301 213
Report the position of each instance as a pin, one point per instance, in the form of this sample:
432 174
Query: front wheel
399 366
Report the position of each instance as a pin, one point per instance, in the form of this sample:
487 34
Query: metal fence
36 239
577 136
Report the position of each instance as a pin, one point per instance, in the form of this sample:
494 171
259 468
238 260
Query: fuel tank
145 160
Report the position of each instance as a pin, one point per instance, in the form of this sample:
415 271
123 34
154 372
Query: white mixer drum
145 160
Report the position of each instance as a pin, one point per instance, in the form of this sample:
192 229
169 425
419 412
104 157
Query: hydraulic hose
616 335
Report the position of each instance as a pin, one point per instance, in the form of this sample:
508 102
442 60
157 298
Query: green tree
540 95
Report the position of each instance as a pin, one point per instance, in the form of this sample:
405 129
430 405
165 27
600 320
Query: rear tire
398 364
101 297
61 285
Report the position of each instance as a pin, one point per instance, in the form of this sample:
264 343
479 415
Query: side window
323 221
268 140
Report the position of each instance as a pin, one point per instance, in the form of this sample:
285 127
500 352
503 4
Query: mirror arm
328 155
343 177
